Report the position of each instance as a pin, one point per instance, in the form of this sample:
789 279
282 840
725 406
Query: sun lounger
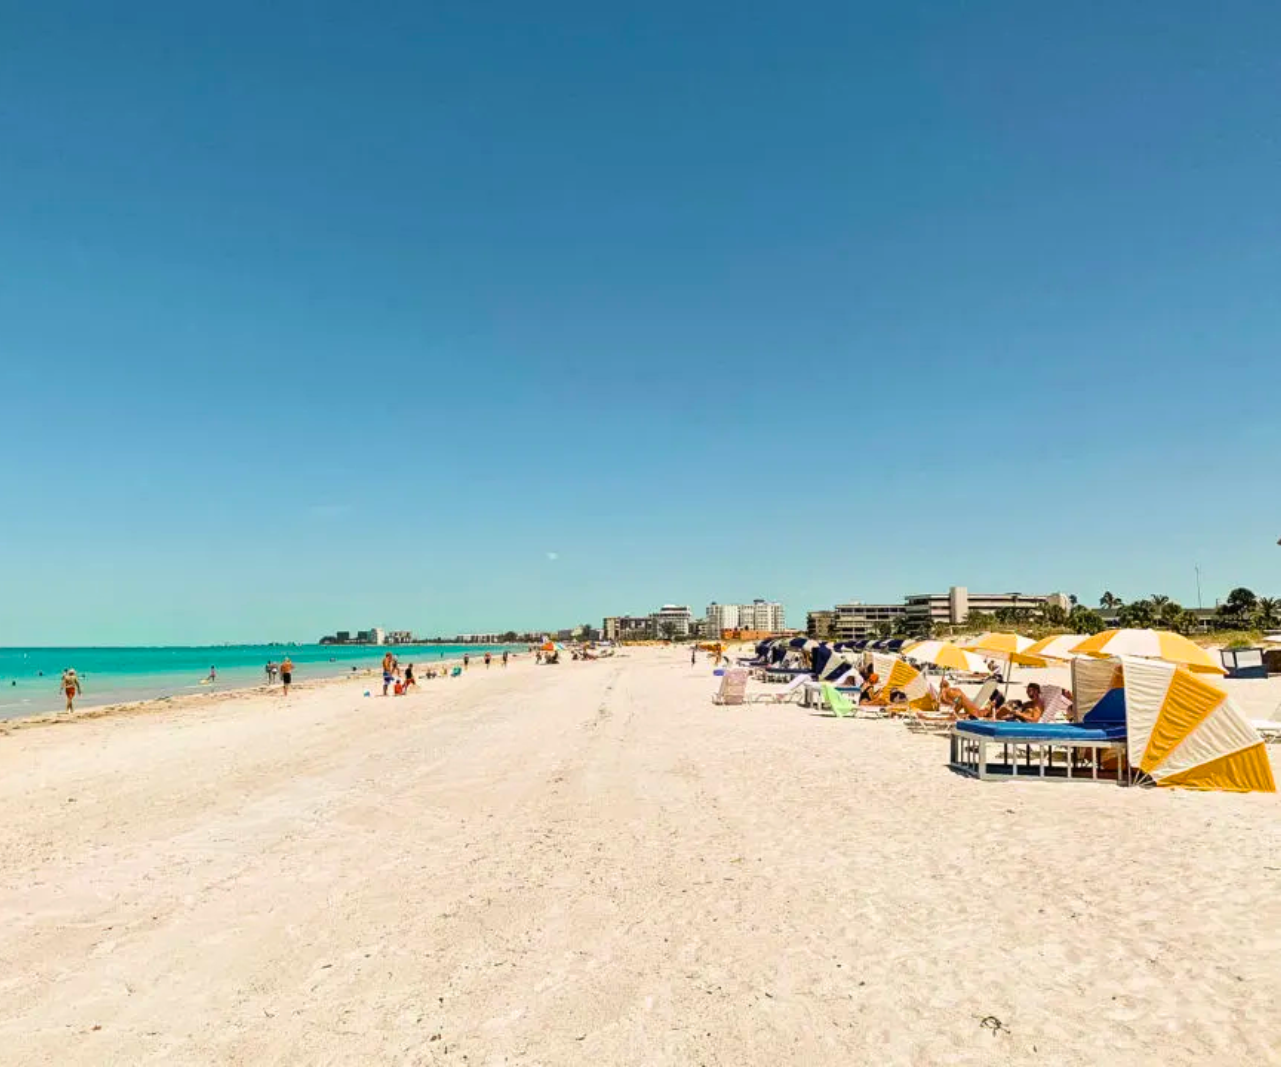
1082 749
785 674
786 695
1269 729
733 689
931 721
840 703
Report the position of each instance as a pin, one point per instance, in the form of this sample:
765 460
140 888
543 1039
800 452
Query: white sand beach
593 864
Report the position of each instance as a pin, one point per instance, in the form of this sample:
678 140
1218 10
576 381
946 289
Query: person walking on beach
693 655
70 686
389 669
286 673
466 661
487 659
504 658
271 669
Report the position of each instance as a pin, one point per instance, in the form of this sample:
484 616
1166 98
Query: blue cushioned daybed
1091 751
1041 731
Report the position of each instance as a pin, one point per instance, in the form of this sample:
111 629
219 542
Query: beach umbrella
1008 648
1149 644
798 642
946 655
1058 646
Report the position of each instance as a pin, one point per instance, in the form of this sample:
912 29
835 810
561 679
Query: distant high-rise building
762 616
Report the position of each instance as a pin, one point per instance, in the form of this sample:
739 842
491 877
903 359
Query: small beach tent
819 659
835 666
1181 729
896 673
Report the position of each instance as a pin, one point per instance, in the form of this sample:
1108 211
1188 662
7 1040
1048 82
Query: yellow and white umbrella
1057 646
1008 648
1150 644
946 655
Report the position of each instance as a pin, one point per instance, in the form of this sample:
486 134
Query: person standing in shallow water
70 686
488 657
286 673
504 658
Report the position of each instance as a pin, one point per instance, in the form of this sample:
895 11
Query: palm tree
1137 615
1110 601
1266 609
1158 601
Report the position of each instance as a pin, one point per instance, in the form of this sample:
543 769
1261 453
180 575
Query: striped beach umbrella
1058 646
946 655
1008 648
1150 644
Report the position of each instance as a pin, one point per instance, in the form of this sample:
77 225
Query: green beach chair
842 705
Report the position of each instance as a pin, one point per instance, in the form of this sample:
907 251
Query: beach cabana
1181 729
895 673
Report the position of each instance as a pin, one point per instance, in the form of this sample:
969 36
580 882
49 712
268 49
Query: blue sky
331 314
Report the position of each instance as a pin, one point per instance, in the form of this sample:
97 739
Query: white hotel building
762 615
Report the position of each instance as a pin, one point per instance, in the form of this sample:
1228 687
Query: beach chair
455 672
840 703
931 721
733 688
1058 706
1269 729
788 694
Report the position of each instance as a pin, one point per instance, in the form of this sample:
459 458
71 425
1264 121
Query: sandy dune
592 864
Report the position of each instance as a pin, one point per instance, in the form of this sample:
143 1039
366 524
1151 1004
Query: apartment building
761 616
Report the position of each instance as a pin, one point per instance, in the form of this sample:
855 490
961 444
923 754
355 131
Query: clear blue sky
320 315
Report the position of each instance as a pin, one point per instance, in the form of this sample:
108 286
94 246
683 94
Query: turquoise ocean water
29 676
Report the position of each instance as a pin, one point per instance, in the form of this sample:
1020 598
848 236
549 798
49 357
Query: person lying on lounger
964 707
871 688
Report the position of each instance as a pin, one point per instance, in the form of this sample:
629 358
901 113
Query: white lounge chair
786 695
940 721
